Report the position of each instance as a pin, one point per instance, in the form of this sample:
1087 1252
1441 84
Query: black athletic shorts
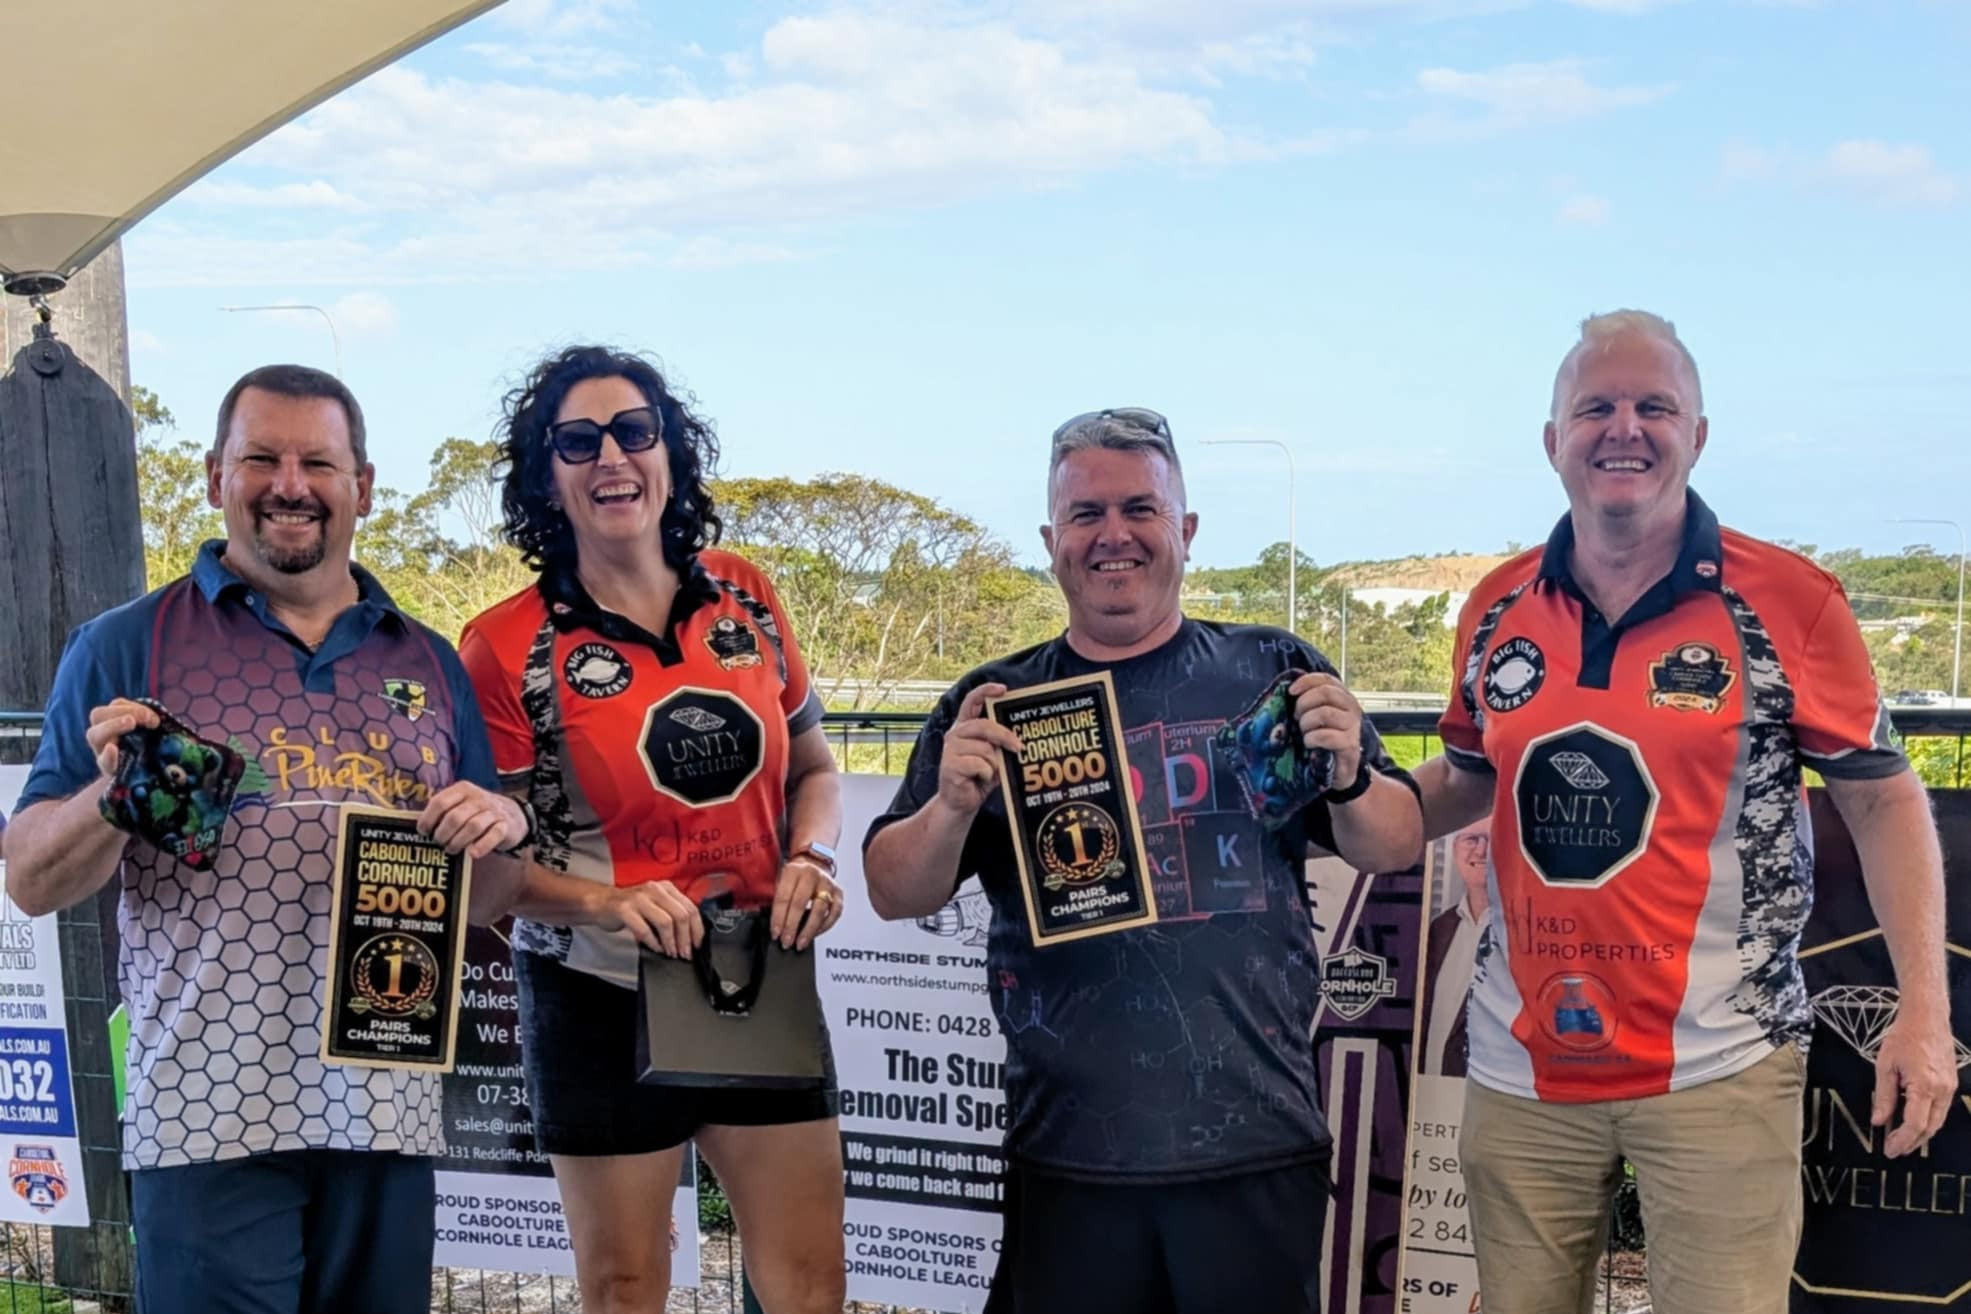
578 1045
1246 1243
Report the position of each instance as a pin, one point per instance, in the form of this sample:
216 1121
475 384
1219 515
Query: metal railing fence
47 1270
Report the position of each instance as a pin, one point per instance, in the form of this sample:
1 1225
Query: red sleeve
498 691
1838 714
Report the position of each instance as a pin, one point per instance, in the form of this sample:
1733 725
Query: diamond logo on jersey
697 718
596 670
701 746
1576 1011
1692 677
1579 770
1513 674
733 643
37 1176
1355 981
1586 805
407 696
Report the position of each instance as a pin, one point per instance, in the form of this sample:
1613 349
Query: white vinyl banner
497 1203
38 1140
1440 1268
919 1057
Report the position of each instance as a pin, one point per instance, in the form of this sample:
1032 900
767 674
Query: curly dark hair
538 528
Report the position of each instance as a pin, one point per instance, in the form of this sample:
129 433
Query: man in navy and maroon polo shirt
262 1180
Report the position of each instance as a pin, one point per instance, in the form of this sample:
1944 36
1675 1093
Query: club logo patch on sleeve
1513 674
1692 677
702 746
1586 805
596 670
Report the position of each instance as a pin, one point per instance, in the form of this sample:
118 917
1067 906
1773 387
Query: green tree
171 490
882 585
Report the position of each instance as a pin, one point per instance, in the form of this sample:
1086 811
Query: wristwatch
821 855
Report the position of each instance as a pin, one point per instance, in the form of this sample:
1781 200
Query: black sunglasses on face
1136 417
580 441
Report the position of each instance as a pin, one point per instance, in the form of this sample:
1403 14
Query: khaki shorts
1717 1166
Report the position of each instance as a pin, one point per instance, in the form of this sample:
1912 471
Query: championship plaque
396 942
1075 831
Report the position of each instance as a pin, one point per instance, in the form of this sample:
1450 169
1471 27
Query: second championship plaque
1075 830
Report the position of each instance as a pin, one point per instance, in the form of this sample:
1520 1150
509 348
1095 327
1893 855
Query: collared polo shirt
222 969
1652 865
647 757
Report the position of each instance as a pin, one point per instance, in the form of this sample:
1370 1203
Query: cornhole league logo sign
37 1176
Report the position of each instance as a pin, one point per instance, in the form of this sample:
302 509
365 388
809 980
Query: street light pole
334 337
1293 552
1957 647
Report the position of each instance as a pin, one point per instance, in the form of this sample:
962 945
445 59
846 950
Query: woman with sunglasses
647 698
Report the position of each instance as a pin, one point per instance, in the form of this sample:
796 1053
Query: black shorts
578 1044
1250 1242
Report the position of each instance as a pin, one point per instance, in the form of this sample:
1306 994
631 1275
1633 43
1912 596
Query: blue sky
907 239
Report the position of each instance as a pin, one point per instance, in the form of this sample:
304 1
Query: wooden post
70 529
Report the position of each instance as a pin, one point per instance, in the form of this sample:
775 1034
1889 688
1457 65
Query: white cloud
1744 161
561 62
316 195
1518 95
1888 174
719 253
1626 7
1585 210
1905 176
564 18
364 314
853 112
147 342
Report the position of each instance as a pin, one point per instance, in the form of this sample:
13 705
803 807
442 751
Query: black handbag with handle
740 1013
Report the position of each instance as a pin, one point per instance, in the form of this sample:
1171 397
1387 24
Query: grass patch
22 1298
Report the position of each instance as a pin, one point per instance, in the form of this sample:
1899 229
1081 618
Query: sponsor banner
1879 1233
920 1061
1366 932
37 1100
1440 1268
497 1203
919 1054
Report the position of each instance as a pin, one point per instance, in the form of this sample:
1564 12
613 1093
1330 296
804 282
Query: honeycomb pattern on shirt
223 969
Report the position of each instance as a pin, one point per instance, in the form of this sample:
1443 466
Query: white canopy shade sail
114 106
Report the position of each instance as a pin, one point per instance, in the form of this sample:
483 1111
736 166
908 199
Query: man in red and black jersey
1161 1080
1634 704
